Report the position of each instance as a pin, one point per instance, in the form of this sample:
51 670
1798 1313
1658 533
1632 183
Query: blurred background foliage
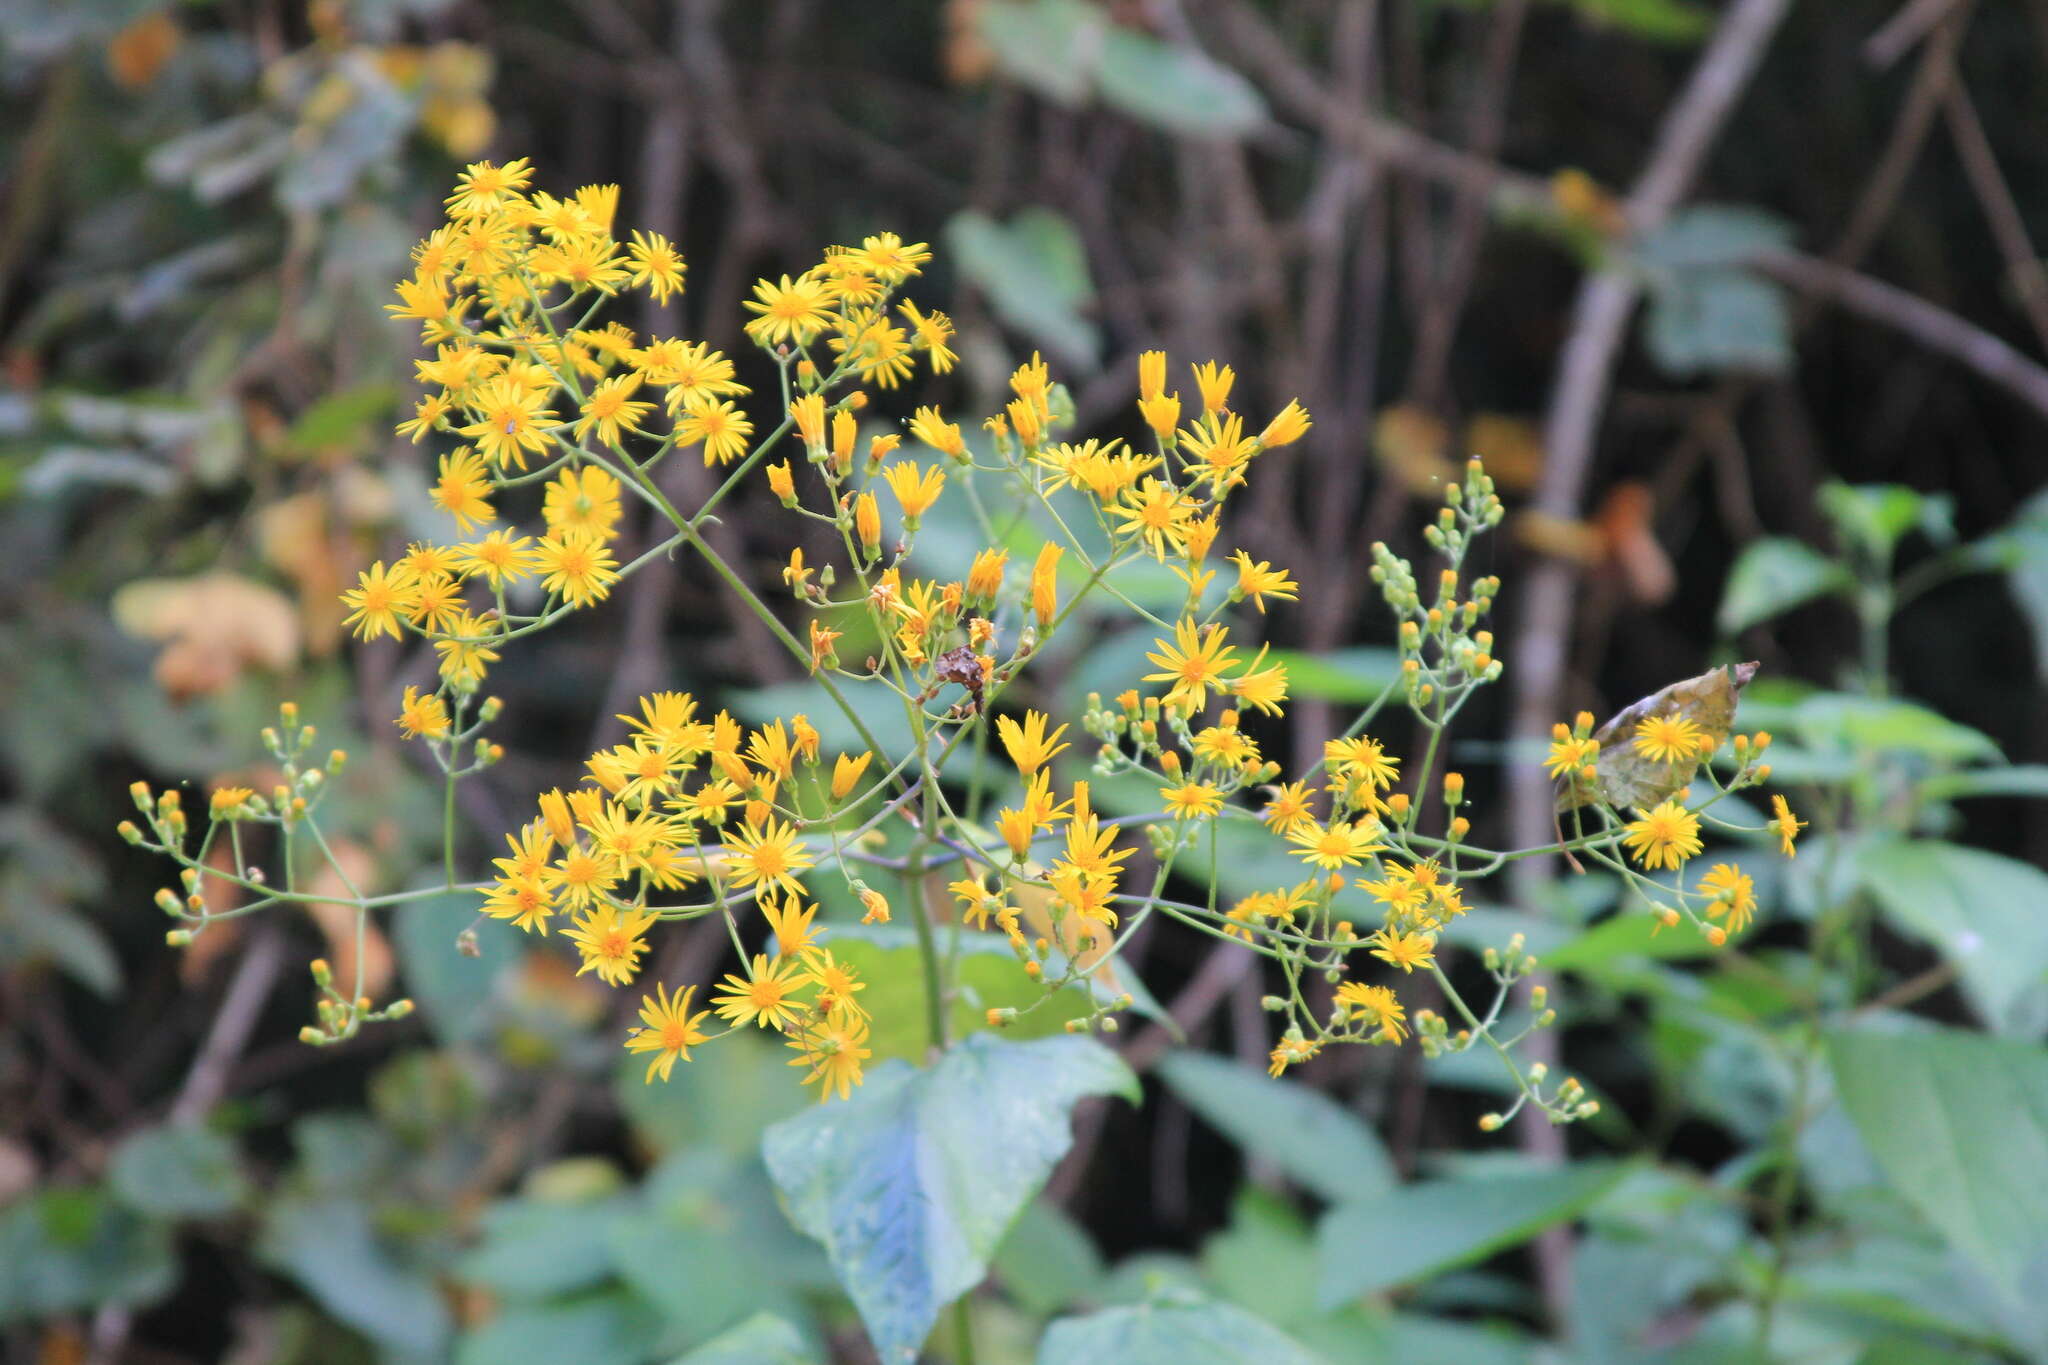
1821 448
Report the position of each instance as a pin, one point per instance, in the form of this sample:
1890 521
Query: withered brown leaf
1626 777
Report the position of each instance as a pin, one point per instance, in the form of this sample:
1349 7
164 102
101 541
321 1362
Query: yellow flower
782 483
837 985
1218 444
524 901
1734 896
500 557
1664 837
1214 381
463 489
1045 583
1151 374
509 422
722 427
611 408
1262 689
1028 745
1377 1004
1785 825
610 942
436 602
1158 513
1288 810
1363 757
765 995
581 263
379 598
935 431
823 655
790 922
934 335
767 853
656 265
1568 752
1289 426
876 905
890 258
916 489
1291 1050
1195 662
833 1050
1669 739
466 652
577 566
985 575
793 310
484 187
1192 800
1260 581
668 1030
581 876
1161 413
583 500
1406 951
1343 844
867 522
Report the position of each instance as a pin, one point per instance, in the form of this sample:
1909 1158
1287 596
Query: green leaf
535 1248
1659 21
614 1325
178 1171
1350 676
1416 1231
1047 1262
1710 236
1265 1261
1626 934
2021 549
2022 779
712 1246
1046 45
1774 575
1980 910
1312 1138
342 420
1855 725
887 958
330 1248
1708 321
1165 1333
911 1183
1958 1123
454 991
63 1250
1870 518
724 1099
1034 271
1176 88
763 1339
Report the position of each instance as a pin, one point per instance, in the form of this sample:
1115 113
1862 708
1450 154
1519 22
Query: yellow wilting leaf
1413 445
213 626
1511 447
1627 777
139 51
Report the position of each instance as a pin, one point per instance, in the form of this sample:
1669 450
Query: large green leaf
1047 1262
1706 321
534 1248
453 990
62 1250
1176 88
1312 1138
763 1339
330 1248
1034 271
1857 726
1416 1231
178 1171
1627 934
1170 1334
1982 911
2021 779
1048 45
1958 1123
1774 575
911 1183
989 977
1345 675
615 1324
2021 550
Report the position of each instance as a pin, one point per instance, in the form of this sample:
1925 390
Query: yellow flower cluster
649 820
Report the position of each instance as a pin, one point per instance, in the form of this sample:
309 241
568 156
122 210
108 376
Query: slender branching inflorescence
697 815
